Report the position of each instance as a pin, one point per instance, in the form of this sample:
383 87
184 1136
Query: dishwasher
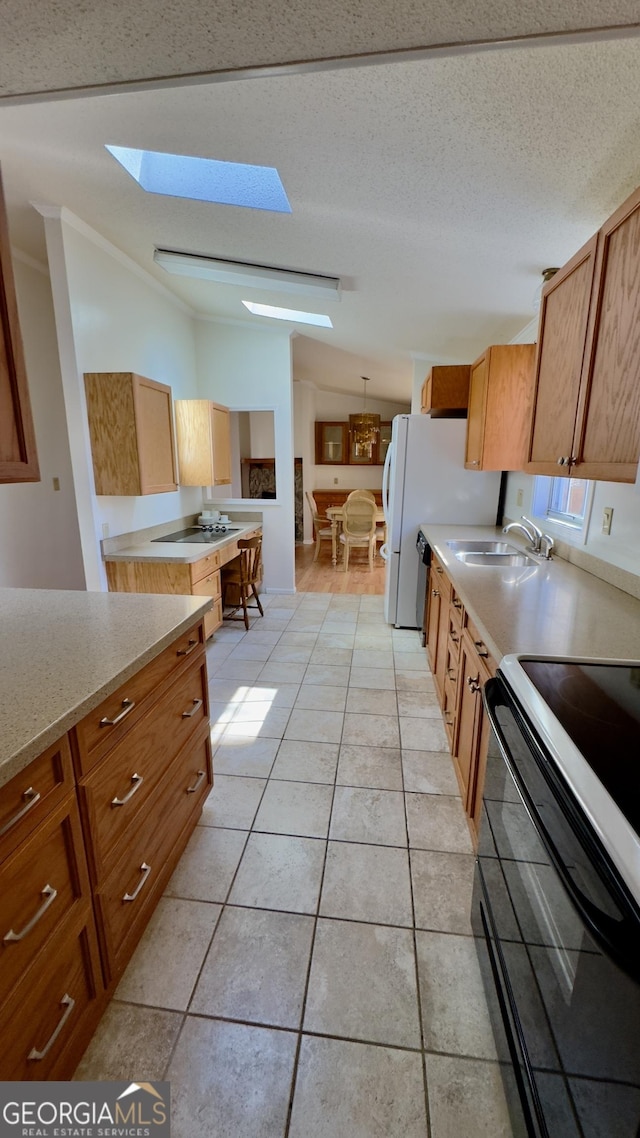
424 558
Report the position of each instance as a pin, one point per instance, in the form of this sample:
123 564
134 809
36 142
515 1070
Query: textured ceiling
68 44
436 189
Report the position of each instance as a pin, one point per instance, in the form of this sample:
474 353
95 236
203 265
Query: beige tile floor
310 972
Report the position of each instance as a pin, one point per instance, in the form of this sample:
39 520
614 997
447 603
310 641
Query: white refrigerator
424 480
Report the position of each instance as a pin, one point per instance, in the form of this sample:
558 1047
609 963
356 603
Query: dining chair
381 531
321 525
240 578
358 526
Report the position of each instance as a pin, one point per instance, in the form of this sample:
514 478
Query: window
563 501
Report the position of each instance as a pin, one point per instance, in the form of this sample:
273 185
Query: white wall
262 434
250 369
39 539
622 547
120 321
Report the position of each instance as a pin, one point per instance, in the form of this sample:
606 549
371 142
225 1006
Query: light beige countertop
63 652
180 553
551 609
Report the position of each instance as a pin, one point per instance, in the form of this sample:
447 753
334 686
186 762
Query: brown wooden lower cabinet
461 665
201 578
85 858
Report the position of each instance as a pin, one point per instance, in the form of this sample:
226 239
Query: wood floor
322 577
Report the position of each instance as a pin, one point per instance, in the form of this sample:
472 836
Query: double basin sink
492 553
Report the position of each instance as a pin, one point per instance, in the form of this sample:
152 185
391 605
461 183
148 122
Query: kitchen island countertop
64 651
550 609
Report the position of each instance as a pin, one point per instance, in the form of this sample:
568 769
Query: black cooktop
598 705
199 536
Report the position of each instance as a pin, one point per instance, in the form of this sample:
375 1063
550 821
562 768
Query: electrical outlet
519 497
335 482
607 518
105 529
56 483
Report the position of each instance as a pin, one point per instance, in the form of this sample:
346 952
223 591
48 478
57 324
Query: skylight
317 318
204 179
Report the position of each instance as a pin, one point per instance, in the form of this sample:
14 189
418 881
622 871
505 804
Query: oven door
558 938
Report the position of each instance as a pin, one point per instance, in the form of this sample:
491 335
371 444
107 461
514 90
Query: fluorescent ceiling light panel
204 179
247 275
317 318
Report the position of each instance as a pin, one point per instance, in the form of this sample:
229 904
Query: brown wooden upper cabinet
445 391
131 430
18 457
500 396
204 442
334 445
586 421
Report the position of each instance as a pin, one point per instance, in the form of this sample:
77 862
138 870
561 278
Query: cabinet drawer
209 586
213 619
456 610
204 567
47 1016
228 553
453 662
103 727
116 795
125 899
480 646
30 795
41 884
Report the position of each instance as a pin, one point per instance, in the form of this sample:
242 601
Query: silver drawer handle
198 783
480 645
30 796
127 706
69 1004
50 894
188 650
197 704
137 780
145 871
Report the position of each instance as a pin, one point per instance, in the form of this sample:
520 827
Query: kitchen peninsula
105 734
149 561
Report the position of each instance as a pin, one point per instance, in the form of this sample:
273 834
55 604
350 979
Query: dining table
335 515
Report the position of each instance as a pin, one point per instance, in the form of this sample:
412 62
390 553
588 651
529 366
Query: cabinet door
434 601
475 421
332 444
469 707
384 438
562 332
221 439
18 458
607 440
154 428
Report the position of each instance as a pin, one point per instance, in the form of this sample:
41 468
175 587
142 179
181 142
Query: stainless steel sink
495 559
482 546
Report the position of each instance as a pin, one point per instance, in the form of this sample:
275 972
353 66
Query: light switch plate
607 518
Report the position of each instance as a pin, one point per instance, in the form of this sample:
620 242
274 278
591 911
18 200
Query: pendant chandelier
364 427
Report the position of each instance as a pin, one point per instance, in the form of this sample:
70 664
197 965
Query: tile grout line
415 951
294 1074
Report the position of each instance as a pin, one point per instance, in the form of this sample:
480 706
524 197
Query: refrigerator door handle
386 476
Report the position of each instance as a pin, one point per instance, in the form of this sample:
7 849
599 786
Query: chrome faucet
535 537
